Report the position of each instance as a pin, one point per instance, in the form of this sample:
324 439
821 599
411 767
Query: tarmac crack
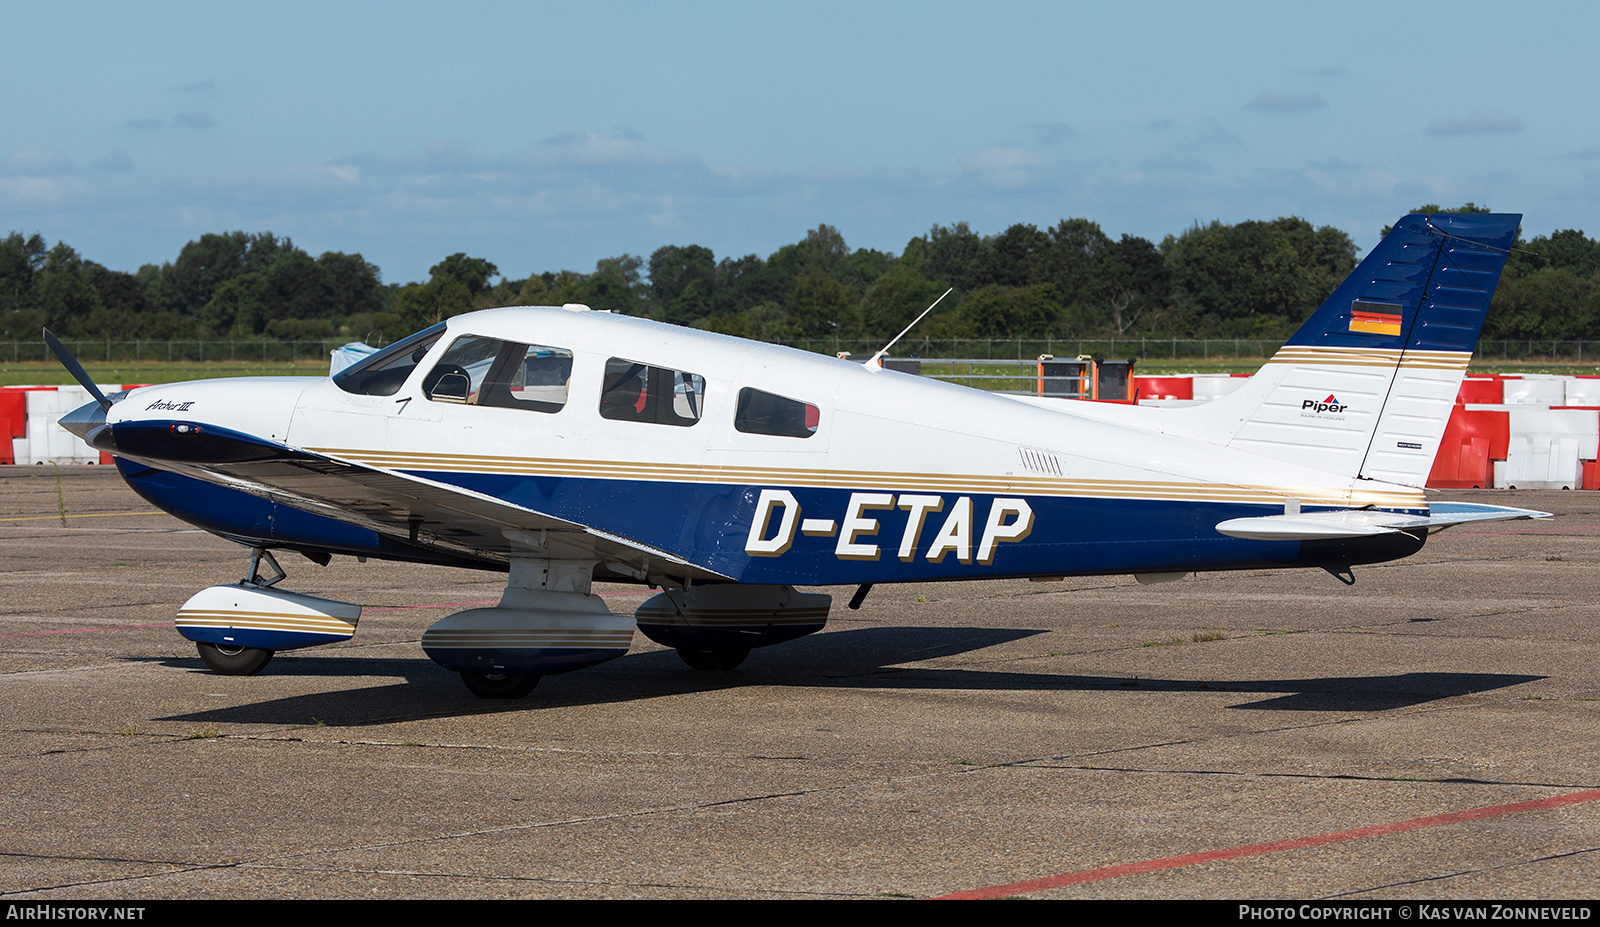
177 868
1330 777
1549 857
555 880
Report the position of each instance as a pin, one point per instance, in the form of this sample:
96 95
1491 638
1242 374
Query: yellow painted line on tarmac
87 515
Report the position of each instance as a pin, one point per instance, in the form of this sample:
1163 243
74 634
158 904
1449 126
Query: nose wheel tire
499 685
713 661
229 660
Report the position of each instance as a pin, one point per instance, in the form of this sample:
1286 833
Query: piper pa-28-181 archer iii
564 446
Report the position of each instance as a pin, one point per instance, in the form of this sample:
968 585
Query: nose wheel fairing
261 618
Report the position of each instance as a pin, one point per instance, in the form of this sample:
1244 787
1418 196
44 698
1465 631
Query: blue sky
548 136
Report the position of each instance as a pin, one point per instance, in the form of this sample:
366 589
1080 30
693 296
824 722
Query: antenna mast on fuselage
875 362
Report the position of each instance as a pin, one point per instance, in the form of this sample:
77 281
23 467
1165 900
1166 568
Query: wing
401 506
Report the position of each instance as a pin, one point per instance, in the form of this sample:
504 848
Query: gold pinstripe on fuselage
867 480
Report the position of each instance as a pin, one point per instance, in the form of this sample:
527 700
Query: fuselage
758 463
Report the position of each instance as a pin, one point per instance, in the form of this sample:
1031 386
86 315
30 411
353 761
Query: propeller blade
75 368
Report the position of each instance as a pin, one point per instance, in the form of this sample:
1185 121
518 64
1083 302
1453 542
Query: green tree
683 282
749 281
617 285
821 306
21 259
1016 257
188 283
952 255
1257 279
1551 302
996 311
472 273
894 300
65 293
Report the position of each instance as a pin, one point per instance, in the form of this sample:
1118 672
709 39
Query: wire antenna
876 360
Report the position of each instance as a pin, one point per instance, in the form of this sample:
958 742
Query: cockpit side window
635 392
505 374
763 413
385 372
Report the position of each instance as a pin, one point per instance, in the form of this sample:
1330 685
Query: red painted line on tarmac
1278 846
119 627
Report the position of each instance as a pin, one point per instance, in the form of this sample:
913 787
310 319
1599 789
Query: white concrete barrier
48 442
1209 386
1536 390
1582 391
1547 446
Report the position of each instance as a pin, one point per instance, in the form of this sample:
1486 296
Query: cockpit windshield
383 373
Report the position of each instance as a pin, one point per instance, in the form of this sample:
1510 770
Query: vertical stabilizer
1366 385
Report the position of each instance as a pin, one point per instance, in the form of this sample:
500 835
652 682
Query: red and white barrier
28 416
1522 431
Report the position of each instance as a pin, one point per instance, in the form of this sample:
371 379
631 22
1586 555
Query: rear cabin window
635 392
763 413
383 373
505 374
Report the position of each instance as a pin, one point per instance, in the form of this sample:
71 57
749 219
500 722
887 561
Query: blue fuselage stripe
709 525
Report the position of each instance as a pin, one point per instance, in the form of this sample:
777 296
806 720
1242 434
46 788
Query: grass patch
1201 637
205 733
1169 642
50 373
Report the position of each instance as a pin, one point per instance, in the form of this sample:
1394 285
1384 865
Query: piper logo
1331 405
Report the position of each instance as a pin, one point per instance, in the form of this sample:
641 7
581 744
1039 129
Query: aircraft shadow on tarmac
866 658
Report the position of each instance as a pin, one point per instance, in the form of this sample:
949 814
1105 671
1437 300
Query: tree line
1255 279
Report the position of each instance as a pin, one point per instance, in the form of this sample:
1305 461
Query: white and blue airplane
566 445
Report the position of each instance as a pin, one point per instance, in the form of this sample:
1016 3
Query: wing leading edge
408 508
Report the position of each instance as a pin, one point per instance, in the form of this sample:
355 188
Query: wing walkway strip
1258 849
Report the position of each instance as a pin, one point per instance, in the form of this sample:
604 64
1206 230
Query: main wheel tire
713 661
229 660
499 685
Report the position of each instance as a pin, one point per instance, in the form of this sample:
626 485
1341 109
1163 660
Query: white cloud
1475 124
32 191
1003 168
1052 133
37 161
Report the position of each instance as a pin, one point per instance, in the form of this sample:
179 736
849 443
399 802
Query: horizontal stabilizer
1360 523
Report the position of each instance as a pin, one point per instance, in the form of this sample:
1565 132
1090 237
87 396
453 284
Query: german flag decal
1374 318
